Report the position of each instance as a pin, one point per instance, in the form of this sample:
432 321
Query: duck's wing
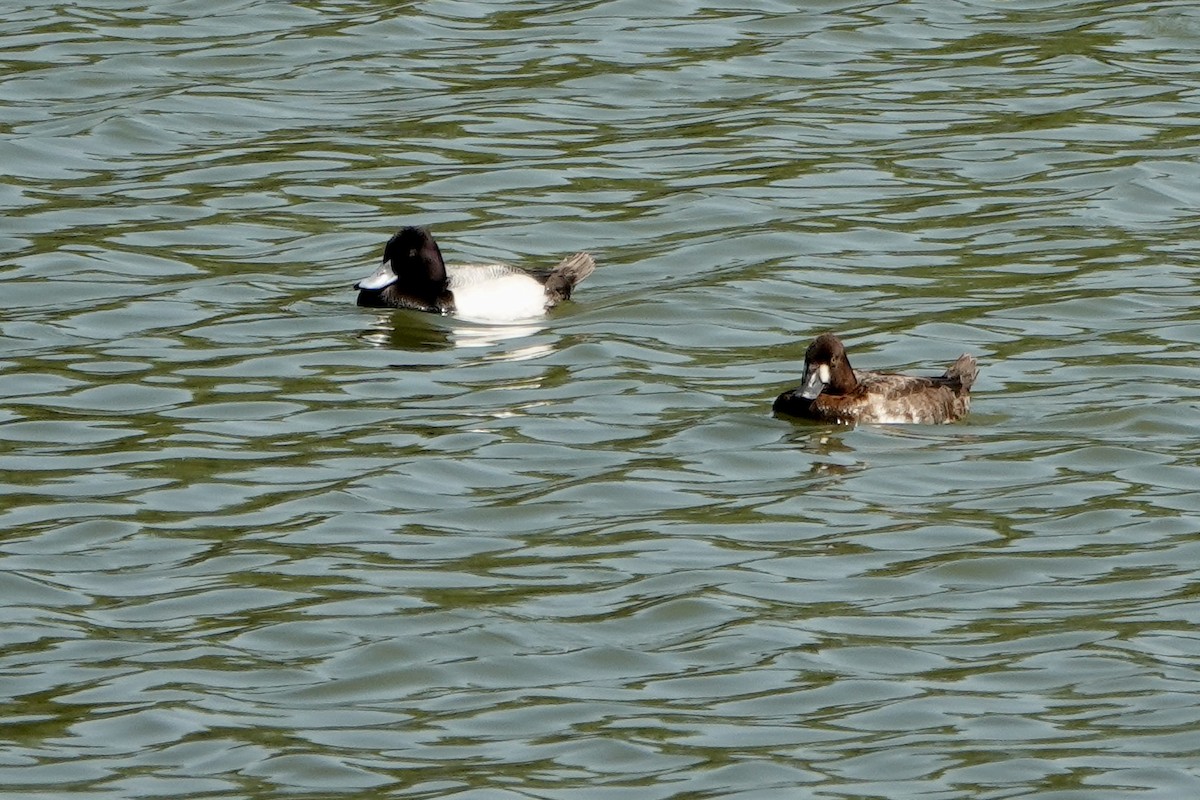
558 281
888 397
958 378
892 384
459 276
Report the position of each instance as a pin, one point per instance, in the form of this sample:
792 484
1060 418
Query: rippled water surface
256 542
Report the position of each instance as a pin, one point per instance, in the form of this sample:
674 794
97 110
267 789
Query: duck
833 391
414 275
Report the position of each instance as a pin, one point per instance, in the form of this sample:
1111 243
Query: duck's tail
570 271
963 372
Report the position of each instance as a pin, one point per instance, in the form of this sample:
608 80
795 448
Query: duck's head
826 368
411 256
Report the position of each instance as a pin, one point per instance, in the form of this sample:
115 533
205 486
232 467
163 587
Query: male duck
413 275
834 392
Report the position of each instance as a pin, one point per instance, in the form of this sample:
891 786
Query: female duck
413 275
834 392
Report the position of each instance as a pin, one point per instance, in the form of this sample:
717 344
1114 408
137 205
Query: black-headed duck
413 275
832 391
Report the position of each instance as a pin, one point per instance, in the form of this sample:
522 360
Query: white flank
500 299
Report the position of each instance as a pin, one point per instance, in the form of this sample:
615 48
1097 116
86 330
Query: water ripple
257 540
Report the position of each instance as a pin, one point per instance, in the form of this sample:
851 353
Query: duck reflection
427 332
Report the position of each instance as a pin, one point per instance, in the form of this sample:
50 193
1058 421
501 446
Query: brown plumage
832 391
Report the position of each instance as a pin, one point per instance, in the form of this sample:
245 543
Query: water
257 542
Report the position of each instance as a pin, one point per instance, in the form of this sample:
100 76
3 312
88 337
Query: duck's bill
813 385
380 278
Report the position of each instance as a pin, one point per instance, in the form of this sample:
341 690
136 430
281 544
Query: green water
257 542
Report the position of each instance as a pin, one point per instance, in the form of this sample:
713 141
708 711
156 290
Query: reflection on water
406 331
410 330
255 540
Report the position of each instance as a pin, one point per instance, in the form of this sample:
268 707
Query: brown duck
832 391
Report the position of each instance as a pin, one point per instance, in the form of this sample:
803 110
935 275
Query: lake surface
257 542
